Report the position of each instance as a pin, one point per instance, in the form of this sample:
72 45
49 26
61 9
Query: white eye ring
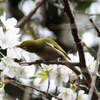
24 48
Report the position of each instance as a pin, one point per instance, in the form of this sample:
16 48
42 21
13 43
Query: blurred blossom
66 93
29 56
94 9
82 95
89 38
26 37
48 67
8 62
9 23
28 6
92 66
8 39
74 58
73 76
69 94
27 70
14 53
45 32
9 67
1 96
9 36
54 98
1 90
9 72
13 69
88 57
60 74
73 86
22 72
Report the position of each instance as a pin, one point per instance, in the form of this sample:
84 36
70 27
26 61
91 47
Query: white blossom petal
14 53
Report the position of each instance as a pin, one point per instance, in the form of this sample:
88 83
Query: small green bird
45 48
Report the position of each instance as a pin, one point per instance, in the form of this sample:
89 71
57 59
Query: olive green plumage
46 48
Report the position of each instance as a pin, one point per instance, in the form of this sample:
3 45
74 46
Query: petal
65 78
1 33
52 75
2 66
11 22
11 73
13 31
3 18
58 82
80 92
84 97
62 89
14 53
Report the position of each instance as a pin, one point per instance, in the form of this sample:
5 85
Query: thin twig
29 86
90 49
48 83
96 28
25 19
48 79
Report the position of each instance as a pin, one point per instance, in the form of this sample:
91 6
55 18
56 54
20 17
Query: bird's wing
60 50
49 44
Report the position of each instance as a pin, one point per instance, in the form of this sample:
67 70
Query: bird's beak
18 46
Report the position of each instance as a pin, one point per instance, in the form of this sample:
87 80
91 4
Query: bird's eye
24 48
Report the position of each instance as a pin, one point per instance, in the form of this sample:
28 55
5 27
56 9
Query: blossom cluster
69 94
63 75
9 38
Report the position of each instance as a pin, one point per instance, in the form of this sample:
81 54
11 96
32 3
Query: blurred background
51 21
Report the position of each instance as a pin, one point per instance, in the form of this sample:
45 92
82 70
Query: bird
47 49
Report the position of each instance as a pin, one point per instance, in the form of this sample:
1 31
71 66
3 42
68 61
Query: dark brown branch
75 33
25 19
70 65
77 41
96 28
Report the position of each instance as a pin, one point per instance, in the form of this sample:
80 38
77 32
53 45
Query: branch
78 42
25 19
70 65
29 86
96 28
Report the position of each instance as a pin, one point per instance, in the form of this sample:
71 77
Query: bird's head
23 45
30 45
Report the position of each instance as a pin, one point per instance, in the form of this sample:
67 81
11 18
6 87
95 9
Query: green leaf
42 74
43 78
